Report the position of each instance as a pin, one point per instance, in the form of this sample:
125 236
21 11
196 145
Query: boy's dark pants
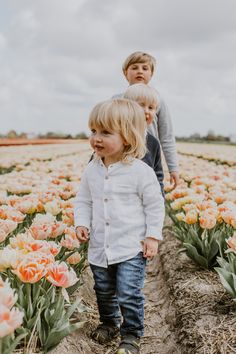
119 290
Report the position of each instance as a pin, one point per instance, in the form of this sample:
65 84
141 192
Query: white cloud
59 58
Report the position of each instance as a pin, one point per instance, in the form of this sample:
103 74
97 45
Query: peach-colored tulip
206 204
7 226
180 216
58 229
30 271
59 275
9 320
69 242
227 216
179 193
233 222
219 198
3 235
27 206
53 207
207 221
7 296
44 246
75 258
41 232
43 258
20 241
67 204
9 258
3 197
68 216
188 207
8 212
191 217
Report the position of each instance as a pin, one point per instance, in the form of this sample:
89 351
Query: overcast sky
60 57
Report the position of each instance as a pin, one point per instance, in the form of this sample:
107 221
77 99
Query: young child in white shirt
119 209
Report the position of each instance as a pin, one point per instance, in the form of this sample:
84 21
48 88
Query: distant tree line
12 134
209 137
196 137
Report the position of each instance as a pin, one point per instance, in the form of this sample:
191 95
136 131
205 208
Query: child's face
150 110
138 73
108 145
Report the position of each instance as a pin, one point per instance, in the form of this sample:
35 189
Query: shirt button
107 223
106 177
107 246
105 200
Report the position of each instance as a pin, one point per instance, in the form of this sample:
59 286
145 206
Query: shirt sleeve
166 137
153 203
83 204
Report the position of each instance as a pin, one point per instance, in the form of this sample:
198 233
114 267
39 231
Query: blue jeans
119 291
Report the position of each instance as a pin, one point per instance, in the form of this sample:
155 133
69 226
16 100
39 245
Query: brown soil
159 319
187 310
205 314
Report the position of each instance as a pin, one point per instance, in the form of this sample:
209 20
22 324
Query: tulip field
41 259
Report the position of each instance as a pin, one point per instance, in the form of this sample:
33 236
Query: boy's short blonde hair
139 57
125 117
142 92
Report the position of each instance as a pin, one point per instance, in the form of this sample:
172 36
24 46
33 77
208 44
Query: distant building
232 138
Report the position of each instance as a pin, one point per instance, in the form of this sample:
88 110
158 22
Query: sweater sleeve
166 137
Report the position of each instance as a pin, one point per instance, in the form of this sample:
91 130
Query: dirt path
159 319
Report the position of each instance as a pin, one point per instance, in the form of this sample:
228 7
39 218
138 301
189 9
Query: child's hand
174 178
82 234
150 247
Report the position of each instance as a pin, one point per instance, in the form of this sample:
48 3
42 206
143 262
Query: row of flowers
203 211
40 256
220 154
28 154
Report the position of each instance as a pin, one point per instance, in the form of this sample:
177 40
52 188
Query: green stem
30 307
34 328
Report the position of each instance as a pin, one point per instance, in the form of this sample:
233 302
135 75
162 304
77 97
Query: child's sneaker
105 333
129 345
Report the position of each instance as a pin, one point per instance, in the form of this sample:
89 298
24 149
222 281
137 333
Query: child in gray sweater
139 68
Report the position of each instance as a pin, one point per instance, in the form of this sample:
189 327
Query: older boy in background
139 68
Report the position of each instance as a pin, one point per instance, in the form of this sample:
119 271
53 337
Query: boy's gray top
162 129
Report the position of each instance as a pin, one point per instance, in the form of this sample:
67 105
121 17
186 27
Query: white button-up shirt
120 205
